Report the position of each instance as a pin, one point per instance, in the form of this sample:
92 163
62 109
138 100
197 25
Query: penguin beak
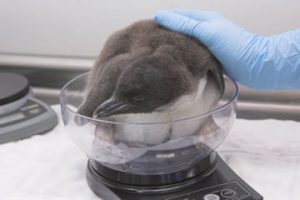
110 107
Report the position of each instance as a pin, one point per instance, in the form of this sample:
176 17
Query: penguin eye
138 99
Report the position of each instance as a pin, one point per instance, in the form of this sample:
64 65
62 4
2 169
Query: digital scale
184 168
21 115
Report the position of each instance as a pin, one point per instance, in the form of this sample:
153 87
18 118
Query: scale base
217 183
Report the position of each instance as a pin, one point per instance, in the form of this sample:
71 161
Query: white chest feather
201 101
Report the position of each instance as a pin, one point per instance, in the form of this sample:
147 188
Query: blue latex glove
253 60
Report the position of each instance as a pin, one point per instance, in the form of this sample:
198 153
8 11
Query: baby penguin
146 73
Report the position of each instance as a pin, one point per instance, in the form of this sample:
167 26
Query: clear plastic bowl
110 142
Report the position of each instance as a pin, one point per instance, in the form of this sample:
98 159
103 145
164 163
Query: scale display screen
11 118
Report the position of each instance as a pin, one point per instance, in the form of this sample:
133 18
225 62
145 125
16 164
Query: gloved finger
200 15
177 22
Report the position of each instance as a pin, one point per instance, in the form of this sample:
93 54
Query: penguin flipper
216 73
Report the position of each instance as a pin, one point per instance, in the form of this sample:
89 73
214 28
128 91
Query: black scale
209 178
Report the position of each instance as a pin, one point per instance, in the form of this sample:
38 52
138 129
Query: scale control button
35 111
211 197
228 193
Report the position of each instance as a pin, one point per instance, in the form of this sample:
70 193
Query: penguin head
144 86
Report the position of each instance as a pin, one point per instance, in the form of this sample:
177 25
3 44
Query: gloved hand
253 60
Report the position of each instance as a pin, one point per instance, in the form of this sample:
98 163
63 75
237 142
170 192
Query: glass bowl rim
217 109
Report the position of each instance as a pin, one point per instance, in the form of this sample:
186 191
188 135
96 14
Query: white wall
79 27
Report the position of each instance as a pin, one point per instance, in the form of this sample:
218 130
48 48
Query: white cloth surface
265 153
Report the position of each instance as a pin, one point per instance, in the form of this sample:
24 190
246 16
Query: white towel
265 153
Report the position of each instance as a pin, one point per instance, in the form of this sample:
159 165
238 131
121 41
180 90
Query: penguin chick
174 62
146 73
